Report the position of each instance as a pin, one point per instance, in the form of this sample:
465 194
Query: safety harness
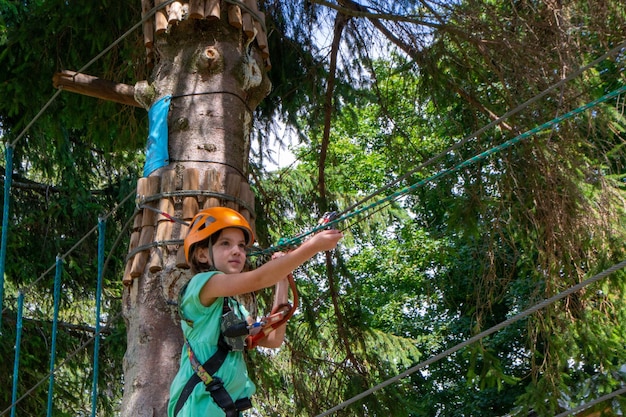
205 372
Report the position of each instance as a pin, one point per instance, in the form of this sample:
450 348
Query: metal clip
328 217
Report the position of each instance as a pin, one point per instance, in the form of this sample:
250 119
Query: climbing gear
328 217
161 212
233 329
212 220
205 373
279 316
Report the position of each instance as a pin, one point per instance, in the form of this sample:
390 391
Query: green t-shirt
203 337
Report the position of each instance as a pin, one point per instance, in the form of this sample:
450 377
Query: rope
496 122
8 174
77 244
594 402
16 360
286 243
55 324
96 347
67 359
217 92
480 336
194 193
88 64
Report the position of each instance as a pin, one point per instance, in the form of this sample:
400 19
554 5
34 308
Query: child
212 379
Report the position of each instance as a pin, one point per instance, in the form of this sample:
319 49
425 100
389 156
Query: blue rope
55 322
8 175
18 341
96 347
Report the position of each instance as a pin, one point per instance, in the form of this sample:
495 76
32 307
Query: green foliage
414 277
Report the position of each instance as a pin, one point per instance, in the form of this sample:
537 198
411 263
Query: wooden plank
196 9
175 13
233 183
95 87
160 18
148 25
212 183
261 37
164 225
234 17
145 187
212 9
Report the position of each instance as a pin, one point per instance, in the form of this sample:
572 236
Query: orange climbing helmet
212 220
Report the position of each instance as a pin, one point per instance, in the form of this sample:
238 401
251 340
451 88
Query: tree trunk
216 76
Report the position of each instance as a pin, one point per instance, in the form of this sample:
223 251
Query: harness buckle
215 384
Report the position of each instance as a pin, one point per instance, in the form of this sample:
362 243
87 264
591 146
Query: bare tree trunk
216 76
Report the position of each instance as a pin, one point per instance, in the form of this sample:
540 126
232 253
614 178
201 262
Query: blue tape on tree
157 155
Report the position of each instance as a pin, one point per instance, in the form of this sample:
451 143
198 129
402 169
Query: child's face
229 251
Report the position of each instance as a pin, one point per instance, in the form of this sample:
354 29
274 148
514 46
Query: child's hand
325 240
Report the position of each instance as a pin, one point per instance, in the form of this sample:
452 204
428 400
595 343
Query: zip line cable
480 336
286 243
590 404
620 47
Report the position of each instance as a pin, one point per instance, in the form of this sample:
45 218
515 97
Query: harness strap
214 385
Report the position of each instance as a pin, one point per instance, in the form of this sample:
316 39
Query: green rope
289 243
55 324
96 347
18 342
8 178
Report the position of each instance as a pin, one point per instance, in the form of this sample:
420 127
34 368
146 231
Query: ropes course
347 214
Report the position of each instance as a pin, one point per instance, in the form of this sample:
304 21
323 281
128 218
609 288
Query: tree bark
215 79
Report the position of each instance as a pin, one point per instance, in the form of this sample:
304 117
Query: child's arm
228 285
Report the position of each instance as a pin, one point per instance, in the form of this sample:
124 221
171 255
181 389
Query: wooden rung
127 279
141 258
233 182
196 9
212 9
190 182
148 25
261 39
151 188
213 183
248 25
168 185
175 13
139 264
156 260
247 196
180 258
160 18
234 17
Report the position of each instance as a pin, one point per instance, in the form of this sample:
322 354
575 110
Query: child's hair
197 266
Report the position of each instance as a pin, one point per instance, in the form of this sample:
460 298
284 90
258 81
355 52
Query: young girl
212 379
